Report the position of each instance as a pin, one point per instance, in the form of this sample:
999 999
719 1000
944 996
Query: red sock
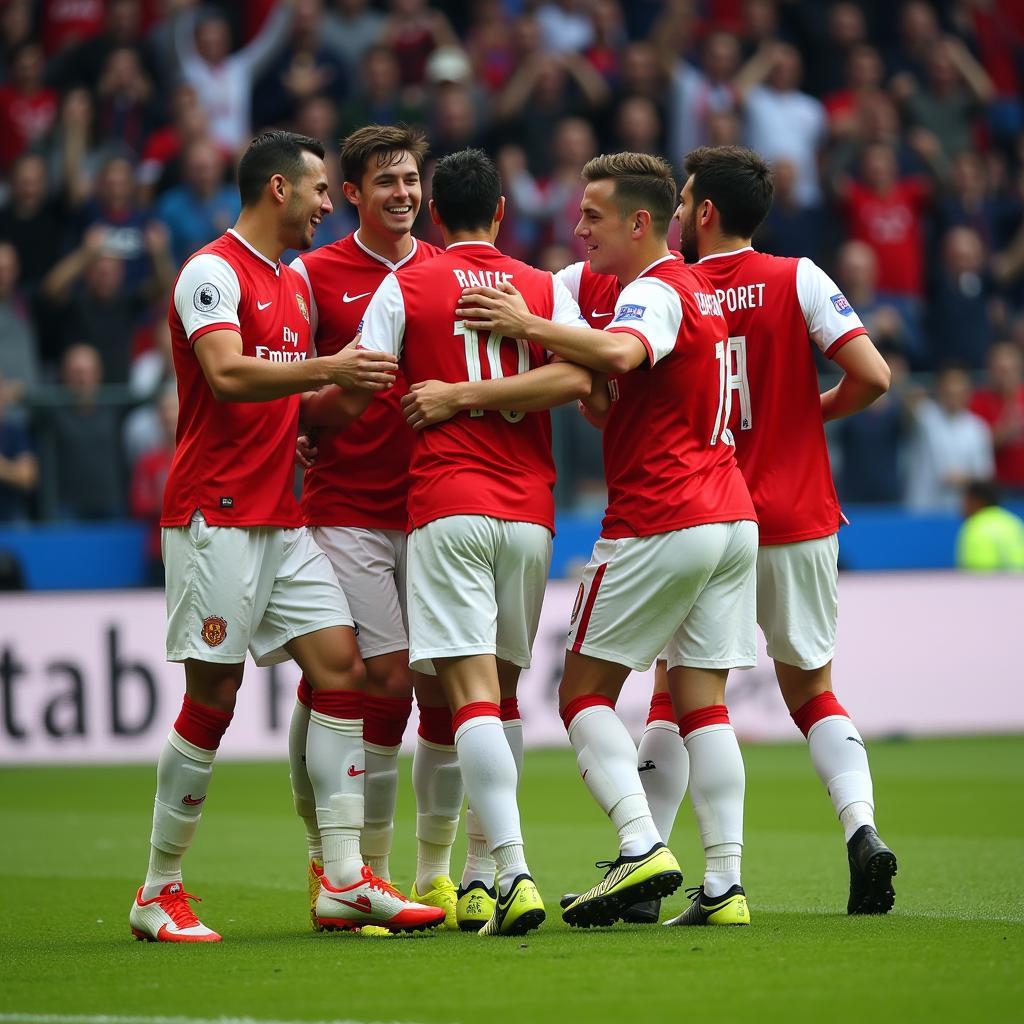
385 719
436 726
824 705
575 706
304 694
200 725
714 714
475 709
661 709
338 703
510 710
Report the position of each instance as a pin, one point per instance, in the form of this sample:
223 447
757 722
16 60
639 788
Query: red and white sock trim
200 725
703 718
579 705
304 693
662 709
816 710
474 713
385 719
343 704
509 710
436 726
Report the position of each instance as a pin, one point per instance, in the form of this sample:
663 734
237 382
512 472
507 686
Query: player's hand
305 451
362 369
500 309
430 402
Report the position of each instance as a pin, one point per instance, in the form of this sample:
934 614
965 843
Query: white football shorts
687 595
370 566
798 600
232 589
476 586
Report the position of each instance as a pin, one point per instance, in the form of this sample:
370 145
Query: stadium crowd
897 141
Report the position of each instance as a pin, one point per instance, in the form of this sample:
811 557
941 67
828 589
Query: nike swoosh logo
189 801
263 305
353 771
352 298
362 903
594 313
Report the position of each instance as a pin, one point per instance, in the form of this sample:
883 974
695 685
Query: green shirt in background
991 540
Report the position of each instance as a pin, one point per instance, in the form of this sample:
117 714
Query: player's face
686 214
390 195
308 203
603 229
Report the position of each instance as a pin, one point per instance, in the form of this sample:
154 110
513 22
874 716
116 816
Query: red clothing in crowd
993 409
23 119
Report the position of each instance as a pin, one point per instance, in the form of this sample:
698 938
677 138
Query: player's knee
389 675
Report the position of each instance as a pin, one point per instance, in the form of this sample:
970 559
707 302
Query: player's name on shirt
709 305
744 296
468 278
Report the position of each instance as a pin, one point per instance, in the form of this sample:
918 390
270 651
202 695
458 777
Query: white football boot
372 901
167 917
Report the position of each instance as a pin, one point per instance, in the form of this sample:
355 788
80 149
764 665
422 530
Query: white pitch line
77 1018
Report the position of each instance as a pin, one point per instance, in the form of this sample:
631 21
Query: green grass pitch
74 845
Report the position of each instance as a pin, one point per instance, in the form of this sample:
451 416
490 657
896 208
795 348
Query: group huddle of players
418 382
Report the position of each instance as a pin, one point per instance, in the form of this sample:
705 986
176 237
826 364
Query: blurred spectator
991 538
604 51
791 229
887 212
829 62
642 77
71 148
349 29
152 373
1000 403
378 97
454 120
918 36
85 442
781 121
892 320
950 445
224 80
202 207
492 43
149 476
969 203
128 108
307 67
99 309
960 327
413 30
865 74
19 357
27 107
15 29
66 24
565 25
871 442
638 126
19 470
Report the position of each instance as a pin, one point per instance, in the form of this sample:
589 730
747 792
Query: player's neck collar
471 241
276 267
731 252
383 259
651 266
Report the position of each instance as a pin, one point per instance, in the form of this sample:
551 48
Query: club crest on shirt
205 297
303 308
630 312
577 606
843 308
214 631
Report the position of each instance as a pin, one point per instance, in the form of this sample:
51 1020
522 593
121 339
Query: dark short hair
276 152
466 189
737 180
642 182
384 144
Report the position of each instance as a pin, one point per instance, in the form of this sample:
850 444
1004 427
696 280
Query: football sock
513 726
664 764
437 783
490 777
511 863
336 762
182 777
717 784
606 757
302 788
840 759
384 721
479 862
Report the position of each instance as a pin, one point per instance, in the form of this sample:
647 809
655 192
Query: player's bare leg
607 760
490 774
840 758
717 784
161 910
437 784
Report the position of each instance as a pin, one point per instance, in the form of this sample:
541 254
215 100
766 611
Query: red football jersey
235 460
361 475
494 464
775 307
668 454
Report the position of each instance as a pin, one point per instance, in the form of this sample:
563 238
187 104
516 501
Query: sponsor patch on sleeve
843 308
206 296
630 312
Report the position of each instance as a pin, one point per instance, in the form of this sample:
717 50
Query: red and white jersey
596 294
234 461
668 456
776 307
494 464
361 474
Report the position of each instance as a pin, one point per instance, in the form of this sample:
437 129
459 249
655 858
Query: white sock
480 865
606 757
717 784
380 790
302 788
841 761
490 777
513 728
664 768
182 778
437 783
511 863
335 760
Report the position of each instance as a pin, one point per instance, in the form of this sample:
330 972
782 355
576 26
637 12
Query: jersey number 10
732 376
474 371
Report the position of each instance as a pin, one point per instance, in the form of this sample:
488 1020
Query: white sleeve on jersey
383 324
564 309
314 316
652 308
571 276
827 314
207 293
